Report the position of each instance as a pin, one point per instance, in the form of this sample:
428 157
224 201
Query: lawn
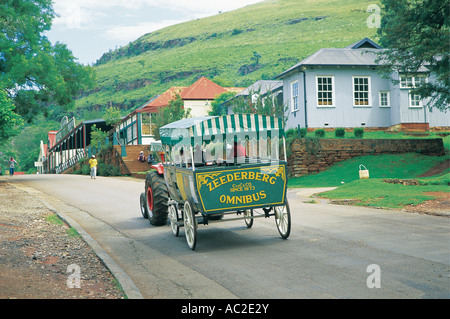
374 191
402 166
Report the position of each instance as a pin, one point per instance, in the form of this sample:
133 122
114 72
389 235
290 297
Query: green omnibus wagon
215 167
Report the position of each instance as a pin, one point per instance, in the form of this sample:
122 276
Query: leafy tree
9 121
257 103
217 107
34 73
256 56
112 116
97 136
173 112
416 33
25 145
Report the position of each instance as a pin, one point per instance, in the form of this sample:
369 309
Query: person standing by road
93 164
12 165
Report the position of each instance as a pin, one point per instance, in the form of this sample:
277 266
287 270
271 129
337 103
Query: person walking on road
12 165
93 164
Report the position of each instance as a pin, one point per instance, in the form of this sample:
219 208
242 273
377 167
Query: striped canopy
204 129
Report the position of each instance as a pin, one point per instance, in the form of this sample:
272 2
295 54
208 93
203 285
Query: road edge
127 284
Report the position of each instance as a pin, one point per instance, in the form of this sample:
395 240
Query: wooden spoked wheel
283 220
173 217
190 225
248 214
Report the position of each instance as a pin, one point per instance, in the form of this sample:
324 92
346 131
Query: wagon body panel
221 189
237 189
178 181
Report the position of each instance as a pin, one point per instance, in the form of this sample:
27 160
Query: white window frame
333 93
404 80
388 98
294 98
369 90
409 81
410 98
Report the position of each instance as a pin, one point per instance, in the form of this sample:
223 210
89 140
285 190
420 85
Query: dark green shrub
313 145
302 132
339 132
320 133
108 170
290 133
359 132
85 169
236 31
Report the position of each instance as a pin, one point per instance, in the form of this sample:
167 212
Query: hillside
222 47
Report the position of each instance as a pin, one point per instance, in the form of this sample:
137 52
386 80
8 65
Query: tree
112 116
256 56
416 34
34 73
9 121
217 106
173 112
24 145
97 136
257 103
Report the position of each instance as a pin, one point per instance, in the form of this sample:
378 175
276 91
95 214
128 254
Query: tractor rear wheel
157 197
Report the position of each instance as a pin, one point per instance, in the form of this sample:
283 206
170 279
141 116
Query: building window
414 100
361 91
409 81
385 99
406 82
325 90
146 124
294 96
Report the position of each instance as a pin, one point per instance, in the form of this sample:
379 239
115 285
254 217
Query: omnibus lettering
244 199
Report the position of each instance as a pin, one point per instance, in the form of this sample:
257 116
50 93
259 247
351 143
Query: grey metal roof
262 86
342 57
346 56
364 43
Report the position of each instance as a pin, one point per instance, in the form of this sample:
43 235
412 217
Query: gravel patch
41 257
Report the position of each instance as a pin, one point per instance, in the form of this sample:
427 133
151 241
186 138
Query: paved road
333 251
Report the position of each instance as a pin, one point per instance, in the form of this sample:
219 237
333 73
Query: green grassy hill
221 48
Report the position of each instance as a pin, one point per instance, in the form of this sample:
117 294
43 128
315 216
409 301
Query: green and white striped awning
242 126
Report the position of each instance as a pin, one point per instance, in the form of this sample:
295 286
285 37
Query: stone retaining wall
315 155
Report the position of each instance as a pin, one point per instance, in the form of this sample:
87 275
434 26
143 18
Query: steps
131 160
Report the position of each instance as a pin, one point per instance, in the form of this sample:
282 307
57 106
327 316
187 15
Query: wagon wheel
248 214
143 206
190 225
173 217
157 197
283 220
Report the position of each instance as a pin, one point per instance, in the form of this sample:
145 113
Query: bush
85 169
359 131
339 132
320 133
290 133
108 170
302 132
